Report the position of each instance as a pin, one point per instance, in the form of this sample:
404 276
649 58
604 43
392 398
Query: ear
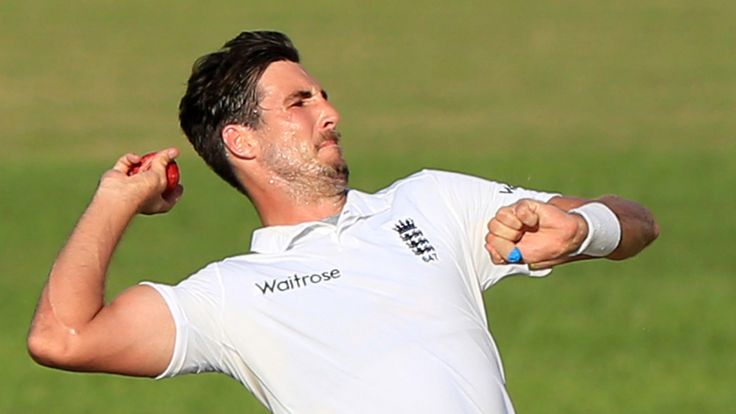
239 140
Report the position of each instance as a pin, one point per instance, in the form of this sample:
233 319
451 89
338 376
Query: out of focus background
629 97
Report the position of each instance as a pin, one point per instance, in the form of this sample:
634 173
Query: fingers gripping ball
172 172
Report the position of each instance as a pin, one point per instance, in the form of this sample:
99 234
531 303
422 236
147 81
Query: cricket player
349 302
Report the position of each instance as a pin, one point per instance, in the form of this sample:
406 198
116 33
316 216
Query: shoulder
244 265
429 174
213 273
439 180
422 177
437 191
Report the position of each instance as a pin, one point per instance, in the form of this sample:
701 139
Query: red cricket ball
172 171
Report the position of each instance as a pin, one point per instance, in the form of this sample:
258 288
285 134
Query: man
351 302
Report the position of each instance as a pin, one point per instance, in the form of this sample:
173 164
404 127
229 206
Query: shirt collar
359 205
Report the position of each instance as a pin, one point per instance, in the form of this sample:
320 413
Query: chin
338 174
335 164
341 173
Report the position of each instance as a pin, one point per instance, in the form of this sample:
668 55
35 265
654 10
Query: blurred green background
582 97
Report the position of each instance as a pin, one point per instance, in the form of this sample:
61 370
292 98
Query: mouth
327 144
330 139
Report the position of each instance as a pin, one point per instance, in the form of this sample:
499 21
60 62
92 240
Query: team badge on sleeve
415 240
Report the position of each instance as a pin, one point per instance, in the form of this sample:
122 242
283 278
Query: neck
279 208
288 198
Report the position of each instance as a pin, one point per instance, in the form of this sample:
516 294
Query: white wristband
604 230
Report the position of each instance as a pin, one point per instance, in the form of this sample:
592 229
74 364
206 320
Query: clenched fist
544 234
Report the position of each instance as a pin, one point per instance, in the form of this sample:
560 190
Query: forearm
73 328
638 227
74 292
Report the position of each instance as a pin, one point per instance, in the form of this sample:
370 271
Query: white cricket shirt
379 312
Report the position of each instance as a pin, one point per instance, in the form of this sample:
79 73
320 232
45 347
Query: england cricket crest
415 240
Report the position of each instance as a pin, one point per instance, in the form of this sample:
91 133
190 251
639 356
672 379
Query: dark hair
222 90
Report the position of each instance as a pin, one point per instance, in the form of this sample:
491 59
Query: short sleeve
474 202
195 305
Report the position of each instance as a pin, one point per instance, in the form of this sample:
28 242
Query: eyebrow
303 94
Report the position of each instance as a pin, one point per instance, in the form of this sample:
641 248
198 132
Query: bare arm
546 233
73 328
638 227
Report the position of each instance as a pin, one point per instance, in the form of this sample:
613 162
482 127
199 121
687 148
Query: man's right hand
73 328
145 190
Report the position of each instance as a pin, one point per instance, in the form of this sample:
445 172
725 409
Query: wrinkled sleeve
196 308
474 202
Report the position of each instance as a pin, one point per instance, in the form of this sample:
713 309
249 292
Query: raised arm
548 233
73 328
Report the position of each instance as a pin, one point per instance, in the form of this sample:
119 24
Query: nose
329 117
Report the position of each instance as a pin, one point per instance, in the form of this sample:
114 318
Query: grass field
630 97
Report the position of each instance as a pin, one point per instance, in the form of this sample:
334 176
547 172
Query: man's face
298 131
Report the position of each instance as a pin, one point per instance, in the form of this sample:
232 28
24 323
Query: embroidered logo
415 240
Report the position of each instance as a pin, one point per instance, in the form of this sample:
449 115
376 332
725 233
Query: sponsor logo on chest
297 281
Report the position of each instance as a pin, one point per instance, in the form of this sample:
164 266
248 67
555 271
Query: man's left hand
544 234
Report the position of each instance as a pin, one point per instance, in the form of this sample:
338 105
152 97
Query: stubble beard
304 176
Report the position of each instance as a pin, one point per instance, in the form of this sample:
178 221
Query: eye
298 103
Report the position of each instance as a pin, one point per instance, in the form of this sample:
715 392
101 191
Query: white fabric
604 230
351 317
